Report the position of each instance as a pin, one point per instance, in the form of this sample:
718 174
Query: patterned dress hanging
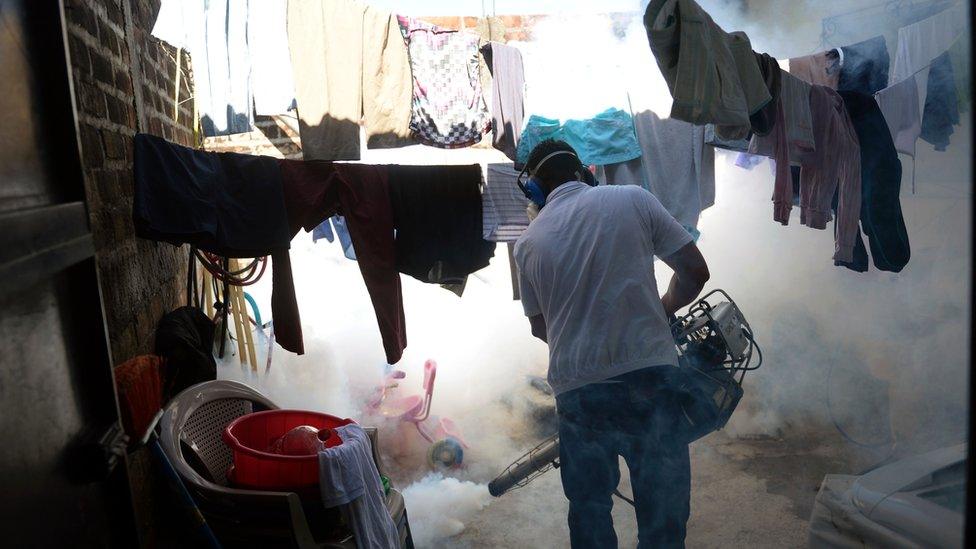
449 110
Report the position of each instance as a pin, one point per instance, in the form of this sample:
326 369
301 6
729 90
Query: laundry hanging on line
437 212
448 109
332 228
425 221
881 216
675 165
228 204
712 74
504 204
864 67
216 35
941 111
607 138
350 66
507 95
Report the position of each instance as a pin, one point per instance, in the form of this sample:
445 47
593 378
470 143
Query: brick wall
124 82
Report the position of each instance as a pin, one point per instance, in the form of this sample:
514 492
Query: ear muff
532 189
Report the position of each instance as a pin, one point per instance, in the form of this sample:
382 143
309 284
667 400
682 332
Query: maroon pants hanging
315 191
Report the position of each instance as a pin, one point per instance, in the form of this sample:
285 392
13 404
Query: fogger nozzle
533 463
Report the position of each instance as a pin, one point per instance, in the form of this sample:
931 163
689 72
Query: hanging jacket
864 67
712 75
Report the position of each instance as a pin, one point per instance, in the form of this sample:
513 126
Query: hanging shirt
448 108
675 165
797 119
586 264
921 42
899 104
325 230
350 68
504 205
819 68
712 75
507 91
215 34
439 223
834 167
229 204
941 111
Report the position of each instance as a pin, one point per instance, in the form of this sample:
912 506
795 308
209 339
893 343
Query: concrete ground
754 492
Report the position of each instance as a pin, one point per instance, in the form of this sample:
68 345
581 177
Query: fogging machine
715 350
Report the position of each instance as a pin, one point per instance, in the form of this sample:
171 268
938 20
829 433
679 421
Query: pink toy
447 444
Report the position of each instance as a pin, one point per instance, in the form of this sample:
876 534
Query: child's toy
447 445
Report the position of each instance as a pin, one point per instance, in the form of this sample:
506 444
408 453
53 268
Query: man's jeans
634 416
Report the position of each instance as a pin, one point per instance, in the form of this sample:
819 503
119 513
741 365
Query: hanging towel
504 205
881 213
712 75
607 138
449 110
315 191
348 476
215 34
439 223
507 95
271 73
229 204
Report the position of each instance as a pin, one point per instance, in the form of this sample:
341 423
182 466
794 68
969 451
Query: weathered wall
124 83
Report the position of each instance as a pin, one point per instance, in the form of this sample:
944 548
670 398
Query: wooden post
236 311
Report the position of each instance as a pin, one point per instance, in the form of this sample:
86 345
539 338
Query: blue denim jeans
635 418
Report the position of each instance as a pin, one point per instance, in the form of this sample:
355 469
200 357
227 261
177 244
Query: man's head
553 163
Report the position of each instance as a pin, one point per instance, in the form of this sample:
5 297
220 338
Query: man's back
587 265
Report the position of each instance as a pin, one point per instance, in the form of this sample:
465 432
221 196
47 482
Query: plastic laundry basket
250 436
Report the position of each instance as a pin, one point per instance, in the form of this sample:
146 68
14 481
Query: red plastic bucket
250 436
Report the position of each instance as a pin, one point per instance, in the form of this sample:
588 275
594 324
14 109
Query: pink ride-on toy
446 444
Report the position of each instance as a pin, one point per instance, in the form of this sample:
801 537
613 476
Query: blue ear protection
532 188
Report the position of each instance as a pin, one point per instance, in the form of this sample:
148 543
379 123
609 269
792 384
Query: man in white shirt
586 276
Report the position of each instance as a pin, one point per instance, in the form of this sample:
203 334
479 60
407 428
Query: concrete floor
745 493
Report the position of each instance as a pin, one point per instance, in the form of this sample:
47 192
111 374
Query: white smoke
893 346
440 506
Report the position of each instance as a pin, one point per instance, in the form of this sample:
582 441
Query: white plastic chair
191 429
